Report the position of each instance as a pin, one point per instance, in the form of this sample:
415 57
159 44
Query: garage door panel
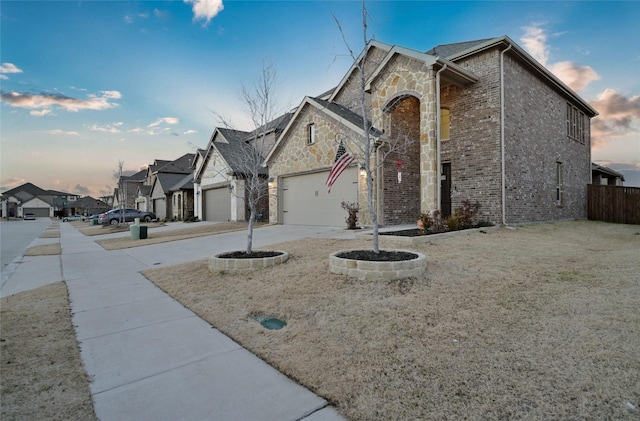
39 212
160 208
217 204
305 200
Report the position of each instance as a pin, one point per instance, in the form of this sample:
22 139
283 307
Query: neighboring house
169 178
220 193
487 122
605 176
129 185
143 198
88 205
220 172
29 198
182 198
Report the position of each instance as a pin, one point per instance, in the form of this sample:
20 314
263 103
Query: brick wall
535 140
474 146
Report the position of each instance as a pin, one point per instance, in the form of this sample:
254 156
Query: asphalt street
15 236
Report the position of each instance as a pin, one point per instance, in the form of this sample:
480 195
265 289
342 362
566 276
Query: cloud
12 182
62 132
127 19
160 14
188 132
535 42
83 190
576 76
619 116
109 128
166 120
40 113
45 101
9 68
205 9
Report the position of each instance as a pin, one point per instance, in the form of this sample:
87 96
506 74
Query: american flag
343 160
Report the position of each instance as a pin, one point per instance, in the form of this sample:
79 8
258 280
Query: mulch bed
254 255
382 256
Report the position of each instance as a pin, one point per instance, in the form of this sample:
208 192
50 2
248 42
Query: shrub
464 215
452 223
352 209
425 222
437 224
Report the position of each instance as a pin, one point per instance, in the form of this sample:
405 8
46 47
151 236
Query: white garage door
217 204
305 200
160 208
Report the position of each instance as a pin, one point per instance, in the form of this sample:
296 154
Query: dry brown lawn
91 230
42 373
44 250
50 233
173 235
540 322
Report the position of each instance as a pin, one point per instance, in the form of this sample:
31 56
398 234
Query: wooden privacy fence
614 204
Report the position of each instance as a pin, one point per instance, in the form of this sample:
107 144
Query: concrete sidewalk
150 358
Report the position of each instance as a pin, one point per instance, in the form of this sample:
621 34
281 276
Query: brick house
488 123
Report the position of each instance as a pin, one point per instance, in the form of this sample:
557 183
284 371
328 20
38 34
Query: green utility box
138 232
93 222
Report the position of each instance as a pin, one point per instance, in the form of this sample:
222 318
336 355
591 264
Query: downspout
502 152
378 187
438 163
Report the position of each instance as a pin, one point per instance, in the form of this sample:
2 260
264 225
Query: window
445 124
559 184
575 124
311 134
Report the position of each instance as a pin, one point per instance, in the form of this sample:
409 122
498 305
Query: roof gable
462 50
29 188
332 110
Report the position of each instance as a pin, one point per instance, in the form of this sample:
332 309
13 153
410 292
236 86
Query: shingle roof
186 183
168 180
181 165
277 124
237 152
449 50
29 188
347 114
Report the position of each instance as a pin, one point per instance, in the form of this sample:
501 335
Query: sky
86 84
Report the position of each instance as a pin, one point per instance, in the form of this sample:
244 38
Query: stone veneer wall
407 77
298 157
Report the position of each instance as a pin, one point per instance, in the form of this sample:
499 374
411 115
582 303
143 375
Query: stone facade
299 157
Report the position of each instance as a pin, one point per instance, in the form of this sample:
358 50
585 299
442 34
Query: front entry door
445 190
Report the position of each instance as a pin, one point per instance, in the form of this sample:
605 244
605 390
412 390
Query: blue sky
88 83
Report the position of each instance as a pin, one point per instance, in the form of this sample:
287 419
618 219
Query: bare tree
373 148
118 176
247 158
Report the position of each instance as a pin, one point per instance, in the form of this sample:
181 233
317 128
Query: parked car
73 218
113 216
94 216
29 217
